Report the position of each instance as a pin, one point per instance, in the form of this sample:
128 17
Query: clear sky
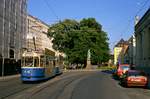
116 16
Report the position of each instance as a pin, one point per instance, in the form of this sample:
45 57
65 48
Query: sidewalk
9 77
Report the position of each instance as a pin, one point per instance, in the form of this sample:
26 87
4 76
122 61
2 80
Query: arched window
11 53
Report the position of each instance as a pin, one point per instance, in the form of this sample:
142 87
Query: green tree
75 38
97 40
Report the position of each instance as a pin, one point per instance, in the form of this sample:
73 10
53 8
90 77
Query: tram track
64 84
6 96
12 87
62 88
55 88
68 88
58 81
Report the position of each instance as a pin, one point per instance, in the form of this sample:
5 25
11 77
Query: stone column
138 49
148 42
141 50
144 46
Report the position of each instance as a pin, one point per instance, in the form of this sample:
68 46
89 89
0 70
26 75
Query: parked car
122 68
134 78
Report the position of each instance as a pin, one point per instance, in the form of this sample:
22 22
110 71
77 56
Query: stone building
131 51
37 38
13 15
37 34
142 34
119 51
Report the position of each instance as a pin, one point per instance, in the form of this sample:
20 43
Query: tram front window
28 62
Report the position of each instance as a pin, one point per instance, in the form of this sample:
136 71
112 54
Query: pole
3 41
3 67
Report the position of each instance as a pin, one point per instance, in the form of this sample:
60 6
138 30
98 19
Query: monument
88 65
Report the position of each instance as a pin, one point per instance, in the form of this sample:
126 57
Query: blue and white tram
37 66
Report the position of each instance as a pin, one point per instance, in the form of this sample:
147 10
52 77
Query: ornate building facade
37 38
13 15
142 34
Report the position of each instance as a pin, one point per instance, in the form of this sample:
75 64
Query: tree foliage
75 38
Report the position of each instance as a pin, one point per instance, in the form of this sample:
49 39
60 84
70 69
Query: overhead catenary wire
142 7
131 20
51 9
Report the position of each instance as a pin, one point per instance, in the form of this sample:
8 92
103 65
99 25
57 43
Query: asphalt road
81 85
12 86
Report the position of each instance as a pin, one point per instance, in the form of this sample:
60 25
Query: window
11 53
42 61
28 61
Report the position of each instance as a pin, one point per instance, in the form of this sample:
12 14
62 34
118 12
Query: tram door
48 66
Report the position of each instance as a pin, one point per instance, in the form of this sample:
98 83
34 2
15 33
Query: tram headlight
27 71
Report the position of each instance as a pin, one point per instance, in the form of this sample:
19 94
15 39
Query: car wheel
125 85
146 86
122 83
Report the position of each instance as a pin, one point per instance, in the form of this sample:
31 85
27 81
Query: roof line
38 19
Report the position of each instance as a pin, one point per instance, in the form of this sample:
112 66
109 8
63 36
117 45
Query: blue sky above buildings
116 16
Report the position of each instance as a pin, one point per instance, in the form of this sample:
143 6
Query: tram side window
47 61
23 61
42 61
54 63
36 62
51 63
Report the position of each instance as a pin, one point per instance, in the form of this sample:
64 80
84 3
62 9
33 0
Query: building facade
37 34
142 34
13 15
37 38
119 52
130 53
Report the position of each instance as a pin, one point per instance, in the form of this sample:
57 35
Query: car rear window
136 74
124 67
